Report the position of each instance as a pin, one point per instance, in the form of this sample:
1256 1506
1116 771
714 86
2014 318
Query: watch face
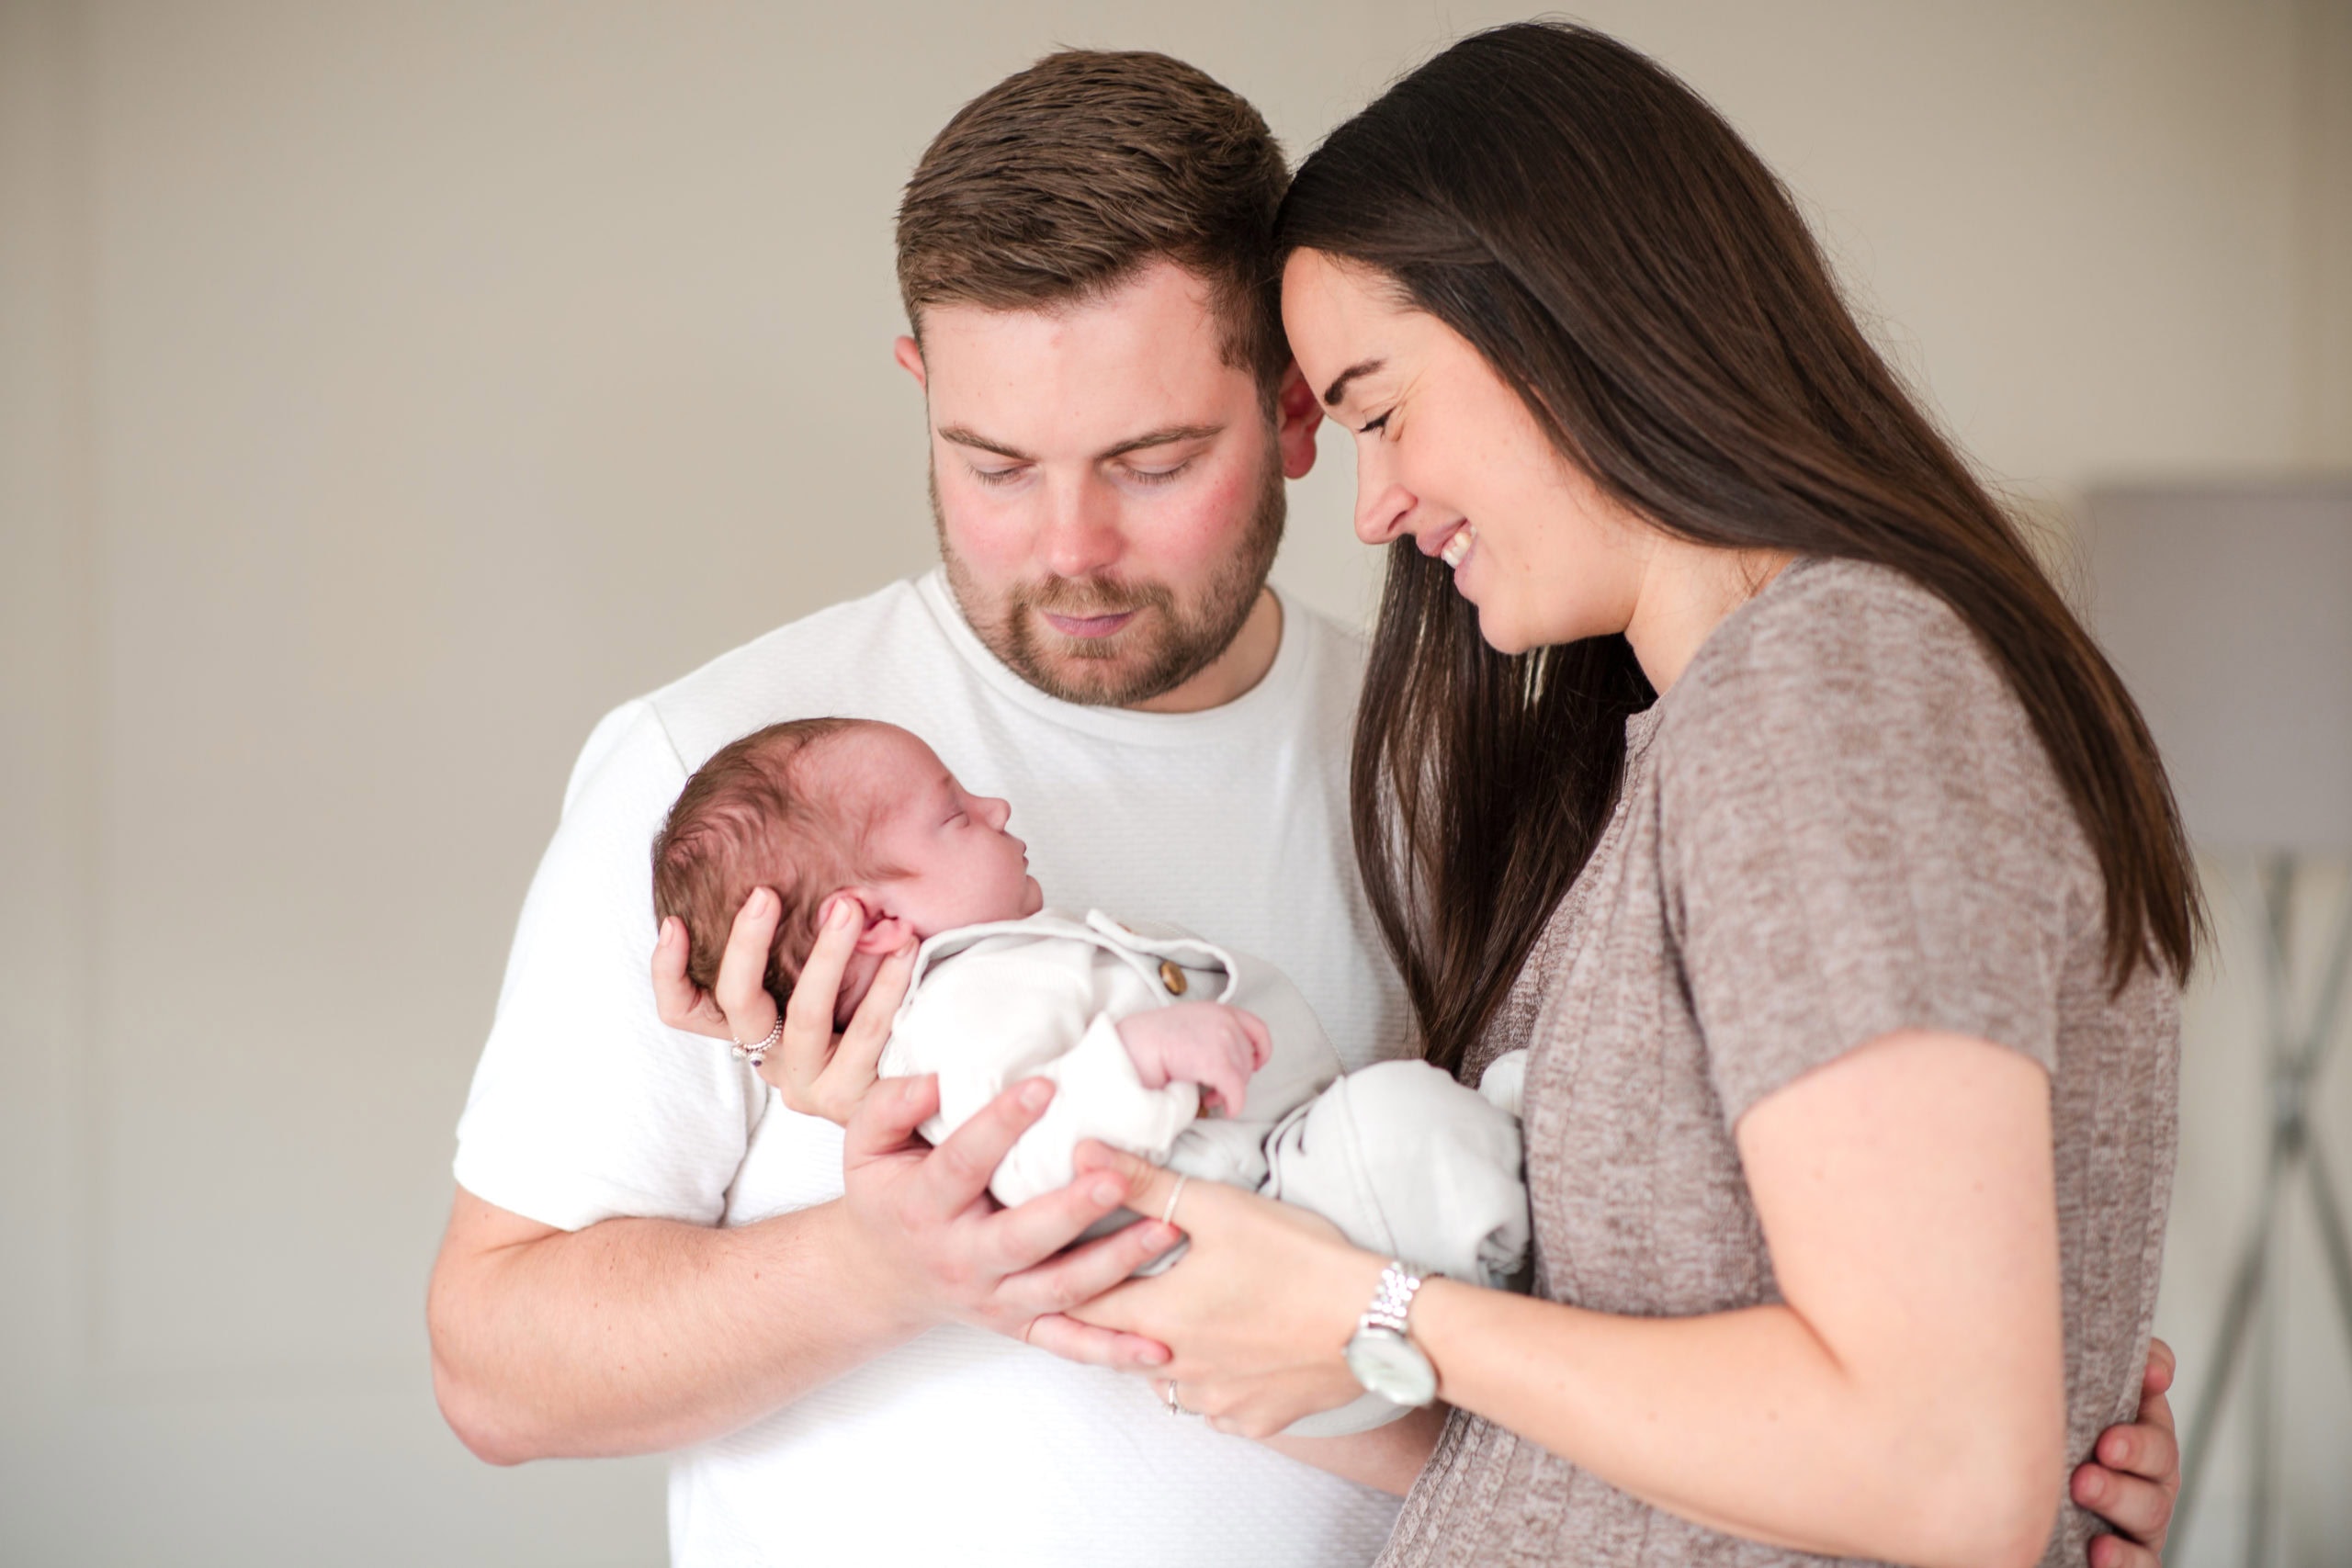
1391 1367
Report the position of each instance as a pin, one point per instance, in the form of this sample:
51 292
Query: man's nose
1081 531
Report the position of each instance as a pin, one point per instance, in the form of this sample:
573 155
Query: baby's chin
1033 897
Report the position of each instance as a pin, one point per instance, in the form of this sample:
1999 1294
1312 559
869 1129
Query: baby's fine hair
753 816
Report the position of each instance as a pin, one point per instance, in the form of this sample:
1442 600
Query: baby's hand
1206 1043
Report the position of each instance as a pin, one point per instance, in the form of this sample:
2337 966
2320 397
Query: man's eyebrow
965 438
1337 389
1168 437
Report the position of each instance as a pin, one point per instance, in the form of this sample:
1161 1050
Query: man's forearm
637 1335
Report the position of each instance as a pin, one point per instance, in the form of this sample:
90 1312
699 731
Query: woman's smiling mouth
1457 546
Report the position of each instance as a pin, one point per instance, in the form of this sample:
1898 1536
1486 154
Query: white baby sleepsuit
1405 1160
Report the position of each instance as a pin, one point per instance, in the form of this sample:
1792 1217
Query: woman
1723 743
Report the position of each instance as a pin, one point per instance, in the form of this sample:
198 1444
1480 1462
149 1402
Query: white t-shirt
960 1446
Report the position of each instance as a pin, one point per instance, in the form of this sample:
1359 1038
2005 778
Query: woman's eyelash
1376 424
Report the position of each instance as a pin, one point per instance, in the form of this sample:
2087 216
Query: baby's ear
883 932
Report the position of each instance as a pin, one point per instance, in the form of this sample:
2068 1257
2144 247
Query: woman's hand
1258 1312
819 1072
2135 1479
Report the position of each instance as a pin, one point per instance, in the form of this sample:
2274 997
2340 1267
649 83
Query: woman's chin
1500 632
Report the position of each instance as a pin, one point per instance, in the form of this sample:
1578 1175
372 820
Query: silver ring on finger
757 1053
1174 1409
1168 1216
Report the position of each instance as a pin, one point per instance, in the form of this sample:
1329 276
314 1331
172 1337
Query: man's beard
1167 643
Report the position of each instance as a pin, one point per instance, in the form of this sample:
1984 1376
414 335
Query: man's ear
909 353
1297 415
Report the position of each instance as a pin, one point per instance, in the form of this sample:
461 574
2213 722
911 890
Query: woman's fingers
808 1042
1148 1186
845 1079
681 1003
741 986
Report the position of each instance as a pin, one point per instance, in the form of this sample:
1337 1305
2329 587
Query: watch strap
1392 1300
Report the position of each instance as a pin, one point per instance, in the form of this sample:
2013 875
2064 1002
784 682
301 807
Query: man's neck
1234 673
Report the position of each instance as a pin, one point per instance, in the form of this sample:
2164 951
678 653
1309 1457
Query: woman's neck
1687 590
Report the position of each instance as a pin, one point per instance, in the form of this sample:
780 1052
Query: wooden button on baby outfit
1171 977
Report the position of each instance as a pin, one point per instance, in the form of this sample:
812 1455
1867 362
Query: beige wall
386 390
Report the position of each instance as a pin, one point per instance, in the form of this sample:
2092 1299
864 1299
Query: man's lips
1088 626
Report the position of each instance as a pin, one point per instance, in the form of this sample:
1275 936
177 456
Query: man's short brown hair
1061 182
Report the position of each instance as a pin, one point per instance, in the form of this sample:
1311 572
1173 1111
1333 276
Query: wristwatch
1380 1354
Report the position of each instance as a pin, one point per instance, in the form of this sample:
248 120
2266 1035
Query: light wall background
387 390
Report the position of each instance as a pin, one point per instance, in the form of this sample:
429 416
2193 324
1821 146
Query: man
647 1252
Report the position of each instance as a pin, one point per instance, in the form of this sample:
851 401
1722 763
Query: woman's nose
1381 509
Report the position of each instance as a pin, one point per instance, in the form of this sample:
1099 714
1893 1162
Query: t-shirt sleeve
585 1105
1862 834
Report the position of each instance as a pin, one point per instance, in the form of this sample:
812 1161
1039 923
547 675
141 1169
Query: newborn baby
1193 1055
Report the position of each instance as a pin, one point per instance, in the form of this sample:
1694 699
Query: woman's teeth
1458 545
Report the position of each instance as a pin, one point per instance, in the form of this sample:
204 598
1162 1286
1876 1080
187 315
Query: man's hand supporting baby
923 1217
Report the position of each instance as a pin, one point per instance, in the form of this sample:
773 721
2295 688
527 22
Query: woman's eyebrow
1337 389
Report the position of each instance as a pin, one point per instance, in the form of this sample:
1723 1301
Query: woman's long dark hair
1633 270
